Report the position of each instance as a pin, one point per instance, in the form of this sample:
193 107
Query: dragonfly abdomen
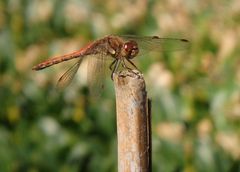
56 60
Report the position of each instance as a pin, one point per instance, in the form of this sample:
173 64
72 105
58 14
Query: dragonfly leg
111 65
129 69
125 66
132 64
116 64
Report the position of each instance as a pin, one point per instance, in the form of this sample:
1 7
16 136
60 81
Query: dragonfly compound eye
131 49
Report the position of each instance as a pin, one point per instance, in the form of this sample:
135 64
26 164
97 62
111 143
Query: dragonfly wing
154 43
96 74
67 77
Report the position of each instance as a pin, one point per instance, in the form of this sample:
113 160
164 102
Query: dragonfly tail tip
35 68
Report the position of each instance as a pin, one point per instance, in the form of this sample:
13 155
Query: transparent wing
96 74
67 77
154 43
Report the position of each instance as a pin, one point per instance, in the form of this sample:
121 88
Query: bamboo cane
133 122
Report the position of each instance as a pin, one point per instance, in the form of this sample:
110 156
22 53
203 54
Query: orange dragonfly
119 49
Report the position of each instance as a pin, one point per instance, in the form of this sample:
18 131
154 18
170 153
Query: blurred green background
195 93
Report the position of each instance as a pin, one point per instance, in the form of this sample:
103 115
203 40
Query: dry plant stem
133 122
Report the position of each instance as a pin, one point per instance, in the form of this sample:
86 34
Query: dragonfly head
130 49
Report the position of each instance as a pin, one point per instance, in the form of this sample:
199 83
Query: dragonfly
120 49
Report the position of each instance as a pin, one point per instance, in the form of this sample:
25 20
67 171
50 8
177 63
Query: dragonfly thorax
115 47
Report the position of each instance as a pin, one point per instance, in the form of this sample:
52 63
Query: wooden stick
133 122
